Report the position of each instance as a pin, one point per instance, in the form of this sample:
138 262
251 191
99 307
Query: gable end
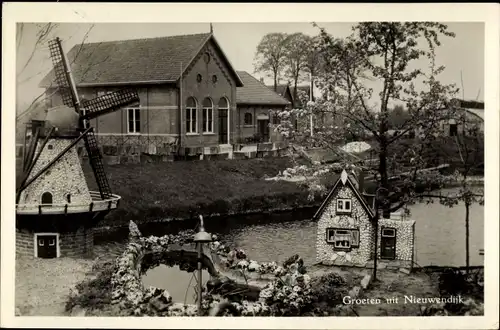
331 194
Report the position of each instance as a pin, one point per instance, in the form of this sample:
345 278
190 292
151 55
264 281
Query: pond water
439 240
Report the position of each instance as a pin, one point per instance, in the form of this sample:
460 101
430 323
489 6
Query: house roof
280 89
136 61
474 107
352 182
255 92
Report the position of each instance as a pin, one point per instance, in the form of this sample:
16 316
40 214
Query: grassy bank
155 191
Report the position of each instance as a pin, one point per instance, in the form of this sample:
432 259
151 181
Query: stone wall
24 243
404 237
77 244
358 219
64 177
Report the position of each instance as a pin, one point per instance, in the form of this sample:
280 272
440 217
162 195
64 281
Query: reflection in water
180 284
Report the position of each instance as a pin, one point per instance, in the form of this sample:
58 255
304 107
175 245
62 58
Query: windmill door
388 243
223 126
46 246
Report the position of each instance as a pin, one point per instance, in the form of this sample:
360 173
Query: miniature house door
46 246
388 243
263 127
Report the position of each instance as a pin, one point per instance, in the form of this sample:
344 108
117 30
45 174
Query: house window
214 79
453 129
191 115
134 120
342 239
208 116
344 205
50 146
47 198
248 118
198 77
68 198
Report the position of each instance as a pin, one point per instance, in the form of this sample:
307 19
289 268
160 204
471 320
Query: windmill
52 182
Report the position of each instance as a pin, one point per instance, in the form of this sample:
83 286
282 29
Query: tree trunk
467 252
375 246
384 178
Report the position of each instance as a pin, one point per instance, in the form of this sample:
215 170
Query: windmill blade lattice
60 72
108 103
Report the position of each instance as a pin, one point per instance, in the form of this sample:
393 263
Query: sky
463 55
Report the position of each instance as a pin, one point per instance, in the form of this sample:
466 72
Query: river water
439 240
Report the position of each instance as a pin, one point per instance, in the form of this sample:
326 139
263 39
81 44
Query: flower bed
288 293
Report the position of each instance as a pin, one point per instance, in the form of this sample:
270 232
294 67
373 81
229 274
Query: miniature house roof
351 181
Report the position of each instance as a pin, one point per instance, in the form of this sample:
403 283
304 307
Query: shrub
94 293
328 289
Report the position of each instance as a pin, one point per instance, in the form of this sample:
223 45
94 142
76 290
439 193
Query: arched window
208 116
68 198
46 198
191 106
223 103
248 119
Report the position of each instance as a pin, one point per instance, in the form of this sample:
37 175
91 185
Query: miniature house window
208 116
191 115
134 120
340 238
214 79
388 232
198 77
50 147
68 198
248 118
344 205
47 198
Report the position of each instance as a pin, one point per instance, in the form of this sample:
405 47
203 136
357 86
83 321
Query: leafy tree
271 55
381 52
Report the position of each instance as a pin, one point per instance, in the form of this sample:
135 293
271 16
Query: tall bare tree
296 55
270 56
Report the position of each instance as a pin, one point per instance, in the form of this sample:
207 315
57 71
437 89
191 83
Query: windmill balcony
98 204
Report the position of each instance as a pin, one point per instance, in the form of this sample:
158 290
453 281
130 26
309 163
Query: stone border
289 290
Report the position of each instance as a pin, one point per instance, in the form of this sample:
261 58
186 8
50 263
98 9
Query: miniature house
346 231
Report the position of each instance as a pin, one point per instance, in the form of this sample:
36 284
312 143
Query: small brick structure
73 244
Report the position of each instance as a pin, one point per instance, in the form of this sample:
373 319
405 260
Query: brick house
187 88
346 232
257 110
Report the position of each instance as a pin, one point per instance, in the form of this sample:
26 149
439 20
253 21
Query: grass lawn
153 191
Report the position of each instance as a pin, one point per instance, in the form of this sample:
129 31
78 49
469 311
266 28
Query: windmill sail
61 73
108 103
95 159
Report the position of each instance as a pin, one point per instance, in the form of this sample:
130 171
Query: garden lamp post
199 238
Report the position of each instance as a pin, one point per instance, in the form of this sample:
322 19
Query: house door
263 126
223 126
46 246
388 243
